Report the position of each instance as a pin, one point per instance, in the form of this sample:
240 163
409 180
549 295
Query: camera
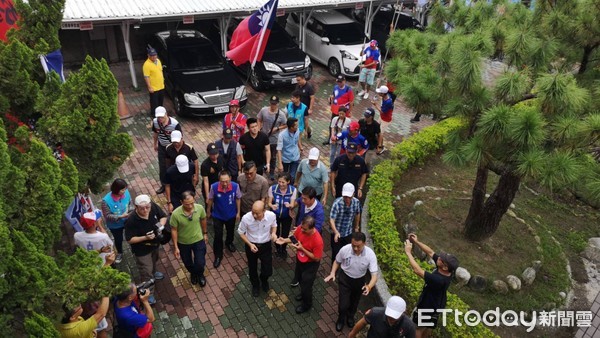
158 231
143 287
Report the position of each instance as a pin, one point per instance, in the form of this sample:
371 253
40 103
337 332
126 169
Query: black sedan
197 78
281 62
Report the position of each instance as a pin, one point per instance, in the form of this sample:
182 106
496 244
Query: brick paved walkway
594 330
225 307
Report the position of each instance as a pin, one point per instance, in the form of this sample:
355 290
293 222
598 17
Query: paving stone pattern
592 331
225 306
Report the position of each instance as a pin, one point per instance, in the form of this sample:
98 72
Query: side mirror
325 40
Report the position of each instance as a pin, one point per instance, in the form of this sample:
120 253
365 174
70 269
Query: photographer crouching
143 230
132 320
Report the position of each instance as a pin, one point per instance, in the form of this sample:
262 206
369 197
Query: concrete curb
381 285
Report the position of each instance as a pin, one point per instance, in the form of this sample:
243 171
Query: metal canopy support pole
125 29
304 23
301 30
370 16
223 25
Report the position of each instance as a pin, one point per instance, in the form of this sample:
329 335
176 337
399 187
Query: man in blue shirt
289 147
344 219
224 205
127 313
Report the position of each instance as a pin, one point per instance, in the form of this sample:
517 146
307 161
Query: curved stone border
381 285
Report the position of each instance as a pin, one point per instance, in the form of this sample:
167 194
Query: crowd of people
254 176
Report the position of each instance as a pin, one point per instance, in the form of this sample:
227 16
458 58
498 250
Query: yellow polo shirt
154 72
79 329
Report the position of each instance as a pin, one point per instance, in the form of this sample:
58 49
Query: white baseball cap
142 200
348 190
160 111
395 307
175 136
313 154
182 163
382 90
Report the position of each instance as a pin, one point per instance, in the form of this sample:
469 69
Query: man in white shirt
91 239
356 260
258 229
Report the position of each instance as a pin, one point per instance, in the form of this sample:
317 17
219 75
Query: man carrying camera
143 230
131 321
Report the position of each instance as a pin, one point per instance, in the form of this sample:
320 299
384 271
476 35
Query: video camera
144 286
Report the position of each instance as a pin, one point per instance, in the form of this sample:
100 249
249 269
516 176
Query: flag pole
262 34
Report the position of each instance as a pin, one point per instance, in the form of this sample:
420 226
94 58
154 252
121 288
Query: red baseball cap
234 103
354 125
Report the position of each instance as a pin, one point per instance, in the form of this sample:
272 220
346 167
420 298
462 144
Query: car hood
352 49
206 80
285 57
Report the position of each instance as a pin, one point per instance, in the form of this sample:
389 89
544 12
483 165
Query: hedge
382 222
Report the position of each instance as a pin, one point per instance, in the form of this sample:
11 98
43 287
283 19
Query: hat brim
392 313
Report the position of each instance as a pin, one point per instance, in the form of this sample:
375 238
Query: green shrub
382 222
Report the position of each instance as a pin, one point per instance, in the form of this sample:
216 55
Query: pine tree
534 121
84 119
18 87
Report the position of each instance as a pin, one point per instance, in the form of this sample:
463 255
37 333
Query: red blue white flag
250 38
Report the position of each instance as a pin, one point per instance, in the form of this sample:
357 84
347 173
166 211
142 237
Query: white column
125 30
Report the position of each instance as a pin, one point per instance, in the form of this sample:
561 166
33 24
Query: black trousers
162 164
335 247
265 255
218 240
305 274
283 230
193 257
273 159
350 290
156 99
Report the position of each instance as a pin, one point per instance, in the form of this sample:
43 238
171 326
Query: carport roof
143 10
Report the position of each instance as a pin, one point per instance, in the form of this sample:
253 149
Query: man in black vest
231 153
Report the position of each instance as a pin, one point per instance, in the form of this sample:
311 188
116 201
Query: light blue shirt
288 144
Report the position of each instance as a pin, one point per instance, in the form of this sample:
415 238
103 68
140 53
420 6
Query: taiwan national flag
250 38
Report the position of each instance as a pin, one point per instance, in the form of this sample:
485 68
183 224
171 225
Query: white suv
332 39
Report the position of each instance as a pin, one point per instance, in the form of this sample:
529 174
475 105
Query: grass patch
512 249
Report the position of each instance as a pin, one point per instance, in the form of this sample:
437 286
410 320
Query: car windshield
345 34
278 39
195 56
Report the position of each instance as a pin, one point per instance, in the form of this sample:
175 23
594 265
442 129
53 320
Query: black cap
151 51
369 112
340 78
351 147
450 260
274 99
212 149
227 133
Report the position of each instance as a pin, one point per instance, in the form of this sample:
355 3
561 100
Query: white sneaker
366 96
361 92
119 258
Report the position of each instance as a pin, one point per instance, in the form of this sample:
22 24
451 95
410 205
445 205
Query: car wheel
255 82
177 104
309 72
334 67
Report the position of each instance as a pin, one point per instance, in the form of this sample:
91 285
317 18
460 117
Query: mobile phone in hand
293 239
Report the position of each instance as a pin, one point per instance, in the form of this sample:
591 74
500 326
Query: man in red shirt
309 245
235 120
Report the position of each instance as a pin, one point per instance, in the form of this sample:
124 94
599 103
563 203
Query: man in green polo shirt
188 229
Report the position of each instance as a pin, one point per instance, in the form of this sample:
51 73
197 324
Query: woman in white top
338 124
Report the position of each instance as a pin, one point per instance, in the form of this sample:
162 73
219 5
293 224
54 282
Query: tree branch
524 98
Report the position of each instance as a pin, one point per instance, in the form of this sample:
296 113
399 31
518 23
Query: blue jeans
291 168
195 265
334 151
